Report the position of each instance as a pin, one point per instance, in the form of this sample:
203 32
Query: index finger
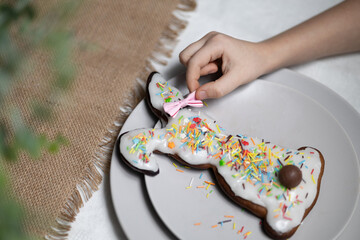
205 55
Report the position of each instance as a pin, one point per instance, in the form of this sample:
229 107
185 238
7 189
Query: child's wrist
274 56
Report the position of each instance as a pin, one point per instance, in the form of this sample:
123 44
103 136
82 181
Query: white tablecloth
252 20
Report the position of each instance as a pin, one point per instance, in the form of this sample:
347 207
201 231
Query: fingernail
202 95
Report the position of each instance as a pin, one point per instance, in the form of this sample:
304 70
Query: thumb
218 88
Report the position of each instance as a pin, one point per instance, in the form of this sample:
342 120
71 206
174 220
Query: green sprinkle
222 162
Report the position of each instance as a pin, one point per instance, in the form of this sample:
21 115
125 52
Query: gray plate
274 109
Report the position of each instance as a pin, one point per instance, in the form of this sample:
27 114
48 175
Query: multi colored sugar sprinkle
228 224
166 92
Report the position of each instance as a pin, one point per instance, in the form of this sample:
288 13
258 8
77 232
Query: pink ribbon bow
172 108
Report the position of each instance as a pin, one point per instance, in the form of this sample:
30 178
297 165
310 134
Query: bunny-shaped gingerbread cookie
277 184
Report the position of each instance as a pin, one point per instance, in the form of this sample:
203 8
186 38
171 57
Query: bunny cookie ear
158 92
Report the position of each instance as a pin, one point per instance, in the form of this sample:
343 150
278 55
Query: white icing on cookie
160 92
248 165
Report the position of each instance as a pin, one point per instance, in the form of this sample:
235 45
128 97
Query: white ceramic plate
300 103
287 118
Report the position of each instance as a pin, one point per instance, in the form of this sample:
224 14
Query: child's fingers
205 55
189 51
216 89
209 69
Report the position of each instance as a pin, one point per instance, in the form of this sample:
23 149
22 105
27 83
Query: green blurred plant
24 34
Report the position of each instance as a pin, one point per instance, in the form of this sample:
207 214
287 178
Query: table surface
252 20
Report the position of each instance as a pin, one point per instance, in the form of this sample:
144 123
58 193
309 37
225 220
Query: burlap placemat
126 35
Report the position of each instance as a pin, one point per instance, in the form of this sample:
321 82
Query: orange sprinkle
228 216
179 170
214 226
251 182
277 215
197 224
210 183
247 234
171 145
200 187
253 141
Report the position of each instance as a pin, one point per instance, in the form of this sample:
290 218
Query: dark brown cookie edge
147 172
158 114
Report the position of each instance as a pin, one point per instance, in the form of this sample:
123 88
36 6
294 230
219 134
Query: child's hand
241 62
335 31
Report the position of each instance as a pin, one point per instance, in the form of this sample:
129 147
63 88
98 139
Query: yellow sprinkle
270 154
175 165
207 195
188 187
207 186
234 226
278 209
312 177
256 177
217 126
205 103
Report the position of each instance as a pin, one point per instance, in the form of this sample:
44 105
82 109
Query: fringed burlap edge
100 163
